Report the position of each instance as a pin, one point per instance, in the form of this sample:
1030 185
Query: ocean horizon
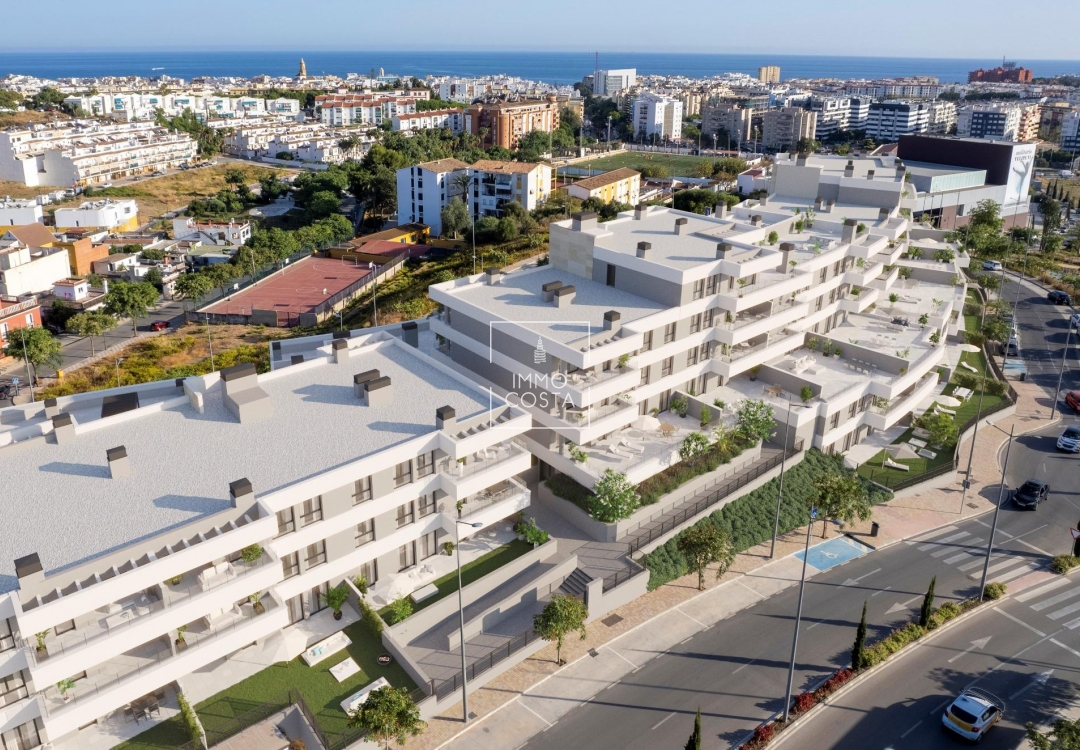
550 67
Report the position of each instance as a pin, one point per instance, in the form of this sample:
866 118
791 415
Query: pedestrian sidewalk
535 693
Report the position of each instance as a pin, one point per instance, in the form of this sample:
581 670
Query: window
4 331
12 689
666 366
316 554
821 276
312 511
406 514
429 545
646 341
290 565
29 320
406 556
611 275
695 323
295 606
403 473
23 737
427 504
645 375
699 289
425 464
318 597
365 532
669 333
835 421
286 521
362 490
692 357
853 409
714 284
7 638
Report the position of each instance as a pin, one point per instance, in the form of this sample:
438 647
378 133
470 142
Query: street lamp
1061 372
461 615
780 491
210 342
375 287
997 510
26 359
118 361
971 453
798 617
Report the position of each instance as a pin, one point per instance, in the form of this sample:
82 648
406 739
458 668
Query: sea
549 67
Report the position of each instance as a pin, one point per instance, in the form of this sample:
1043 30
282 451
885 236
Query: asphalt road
736 671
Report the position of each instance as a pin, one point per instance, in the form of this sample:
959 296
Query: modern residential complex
941 117
495 183
362 109
274 138
1004 73
888 120
614 82
1070 132
451 119
618 186
999 122
108 214
355 456
424 190
82 153
133 106
656 116
726 118
504 122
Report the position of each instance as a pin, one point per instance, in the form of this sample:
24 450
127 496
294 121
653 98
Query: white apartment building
736 121
310 142
451 119
30 270
1070 131
19 211
362 109
114 215
783 128
998 121
889 120
941 117
359 458
833 114
494 183
211 233
425 189
464 91
656 116
614 82
89 153
134 106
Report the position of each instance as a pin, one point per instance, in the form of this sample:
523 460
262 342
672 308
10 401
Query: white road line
635 666
1018 621
1006 536
699 622
1054 600
755 593
1032 546
967 544
1039 679
1034 593
657 724
1008 576
744 666
1056 642
971 565
961 556
1064 611
913 728
880 592
946 540
1030 531
541 718
947 702
816 624
932 534
1007 563
1072 624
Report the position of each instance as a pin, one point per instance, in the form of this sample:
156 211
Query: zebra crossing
966 551
1050 600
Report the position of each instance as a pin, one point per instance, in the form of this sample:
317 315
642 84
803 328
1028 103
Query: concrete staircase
576 583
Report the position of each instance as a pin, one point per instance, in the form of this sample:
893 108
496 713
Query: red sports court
299 288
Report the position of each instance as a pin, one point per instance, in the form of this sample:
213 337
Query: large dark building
1007 73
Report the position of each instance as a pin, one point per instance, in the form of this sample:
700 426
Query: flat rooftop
61 503
518 298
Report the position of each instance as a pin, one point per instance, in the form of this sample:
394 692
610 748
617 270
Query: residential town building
889 120
504 123
26 269
18 211
109 214
941 117
495 183
424 190
998 122
451 119
1005 73
362 109
617 186
307 142
727 118
15 313
1070 132
783 128
234 233
769 74
656 117
614 82
82 249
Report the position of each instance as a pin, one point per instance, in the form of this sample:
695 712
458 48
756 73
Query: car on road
1070 438
1072 400
54 329
991 265
973 713
157 173
1058 297
1030 494
159 325
1074 320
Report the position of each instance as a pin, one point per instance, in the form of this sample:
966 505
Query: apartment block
504 123
619 186
19 211
614 82
992 122
29 269
941 117
783 128
233 233
495 183
889 120
656 116
133 575
727 118
769 74
1070 131
424 190
450 119
362 109
108 214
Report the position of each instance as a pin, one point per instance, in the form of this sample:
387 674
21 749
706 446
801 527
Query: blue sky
913 28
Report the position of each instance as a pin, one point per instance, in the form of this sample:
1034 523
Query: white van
1013 348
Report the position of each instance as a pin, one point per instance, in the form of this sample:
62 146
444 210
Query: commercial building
783 128
451 119
656 117
1005 73
505 122
19 211
424 190
109 214
355 456
618 186
889 120
769 74
496 183
614 82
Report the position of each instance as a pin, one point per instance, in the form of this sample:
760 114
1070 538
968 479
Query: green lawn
681 165
873 468
471 571
167 734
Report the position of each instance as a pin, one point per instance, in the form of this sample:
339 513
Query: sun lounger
894 465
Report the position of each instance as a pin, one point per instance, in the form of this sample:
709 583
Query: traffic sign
1075 533
14 381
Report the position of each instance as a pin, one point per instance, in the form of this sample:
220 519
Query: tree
455 217
1051 219
322 204
841 497
1063 735
220 275
130 300
614 498
153 276
694 743
754 420
996 329
192 286
927 604
234 176
388 713
860 641
706 544
989 281
693 444
561 615
507 229
90 324
941 426
41 348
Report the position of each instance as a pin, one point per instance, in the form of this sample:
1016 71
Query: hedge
749 519
671 478
187 716
563 486
1064 563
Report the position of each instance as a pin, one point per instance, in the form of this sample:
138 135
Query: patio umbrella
948 401
968 348
286 644
903 450
646 422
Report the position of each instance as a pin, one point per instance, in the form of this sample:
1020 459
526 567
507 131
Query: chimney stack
817 203
63 429
720 210
341 351
869 174
240 491
51 408
755 220
361 380
445 418
29 572
641 210
848 235
410 334
612 321
800 160
680 223
119 466
829 205
379 391
722 249
764 200
564 296
494 275
643 249
547 291
584 220
849 168
785 255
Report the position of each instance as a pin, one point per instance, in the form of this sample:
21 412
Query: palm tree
463 181
349 144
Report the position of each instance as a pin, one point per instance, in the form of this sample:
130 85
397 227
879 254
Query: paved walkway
532 695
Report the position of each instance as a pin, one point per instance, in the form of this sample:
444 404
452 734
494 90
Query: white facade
425 189
614 82
1070 131
17 211
941 117
656 115
889 120
498 182
211 233
993 122
453 119
362 109
31 270
104 214
308 142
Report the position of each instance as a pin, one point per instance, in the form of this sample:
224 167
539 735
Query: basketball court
299 288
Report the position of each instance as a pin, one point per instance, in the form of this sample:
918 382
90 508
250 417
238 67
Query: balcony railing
491 496
490 457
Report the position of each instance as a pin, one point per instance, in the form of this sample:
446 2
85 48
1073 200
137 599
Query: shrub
370 618
943 614
803 702
693 445
679 405
613 498
187 716
251 553
806 393
565 487
706 416
995 387
297 744
755 420
658 485
966 380
400 609
1064 563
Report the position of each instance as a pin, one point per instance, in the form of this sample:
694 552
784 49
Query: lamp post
780 491
971 453
210 342
798 617
1016 301
26 360
118 361
375 287
461 616
997 510
1061 372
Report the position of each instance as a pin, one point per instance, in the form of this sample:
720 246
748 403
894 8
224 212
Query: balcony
484 460
493 504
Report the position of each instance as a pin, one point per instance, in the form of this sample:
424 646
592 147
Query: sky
882 28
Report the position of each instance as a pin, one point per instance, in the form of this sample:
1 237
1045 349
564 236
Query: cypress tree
694 743
927 604
860 641
1076 543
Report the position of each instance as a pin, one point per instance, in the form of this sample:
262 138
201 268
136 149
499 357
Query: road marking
744 666
979 643
755 593
1072 624
816 624
541 718
1023 570
657 724
1056 599
961 556
903 606
954 537
1032 546
635 666
853 581
932 534
999 531
947 702
1056 642
968 543
913 728
1039 679
882 591
1028 595
1064 611
1031 531
699 622
1008 563
1018 621
969 566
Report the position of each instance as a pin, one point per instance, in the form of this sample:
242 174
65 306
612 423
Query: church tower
302 73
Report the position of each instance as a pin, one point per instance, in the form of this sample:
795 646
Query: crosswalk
967 553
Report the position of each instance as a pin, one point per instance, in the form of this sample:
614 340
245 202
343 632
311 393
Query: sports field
680 165
298 289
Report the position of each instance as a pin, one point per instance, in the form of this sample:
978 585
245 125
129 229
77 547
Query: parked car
52 328
159 325
991 265
1058 297
1070 438
157 173
1012 349
1072 400
1030 494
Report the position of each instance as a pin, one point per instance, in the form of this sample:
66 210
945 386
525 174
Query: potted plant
256 602
924 319
40 638
361 584
251 553
175 580
64 686
181 641
806 393
837 351
624 361
754 371
448 548
679 405
718 403
459 505
335 598
706 416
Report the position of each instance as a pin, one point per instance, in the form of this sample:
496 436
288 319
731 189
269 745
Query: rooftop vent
817 203
720 210
786 248
564 296
680 224
63 428
722 249
240 491
341 351
869 174
848 232
829 205
800 160
119 466
849 169
494 275
584 220
547 291
612 321
643 249
28 569
51 408
410 333
883 214
339 335
361 380
755 220
242 396
445 418
379 391
640 211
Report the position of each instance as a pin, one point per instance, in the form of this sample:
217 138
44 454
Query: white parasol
646 422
